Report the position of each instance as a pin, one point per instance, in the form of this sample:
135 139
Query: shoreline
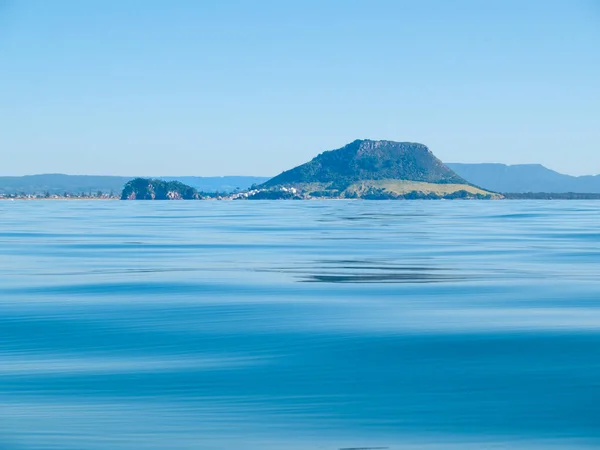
57 199
294 200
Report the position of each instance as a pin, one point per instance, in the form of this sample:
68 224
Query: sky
234 87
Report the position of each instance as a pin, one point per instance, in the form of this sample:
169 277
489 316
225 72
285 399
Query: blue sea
319 325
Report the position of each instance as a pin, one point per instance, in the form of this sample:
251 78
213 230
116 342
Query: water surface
299 325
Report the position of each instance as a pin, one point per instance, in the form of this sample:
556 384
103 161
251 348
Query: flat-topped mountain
150 189
521 178
371 160
376 169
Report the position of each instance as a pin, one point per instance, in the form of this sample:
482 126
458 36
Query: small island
154 189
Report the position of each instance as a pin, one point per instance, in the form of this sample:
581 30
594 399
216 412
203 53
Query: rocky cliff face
150 189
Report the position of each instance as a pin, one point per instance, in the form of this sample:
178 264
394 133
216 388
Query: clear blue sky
193 87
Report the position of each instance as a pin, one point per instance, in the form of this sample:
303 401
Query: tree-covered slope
152 189
370 160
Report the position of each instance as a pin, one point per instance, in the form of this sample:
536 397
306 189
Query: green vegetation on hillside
378 170
370 160
151 189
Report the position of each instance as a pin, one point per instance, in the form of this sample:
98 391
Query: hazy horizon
259 175
206 88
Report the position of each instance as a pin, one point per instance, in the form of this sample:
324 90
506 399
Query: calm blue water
299 325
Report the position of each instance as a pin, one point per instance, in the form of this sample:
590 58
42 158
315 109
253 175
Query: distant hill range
524 178
376 169
220 184
75 184
360 168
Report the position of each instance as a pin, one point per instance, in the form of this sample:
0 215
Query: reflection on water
372 271
299 325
